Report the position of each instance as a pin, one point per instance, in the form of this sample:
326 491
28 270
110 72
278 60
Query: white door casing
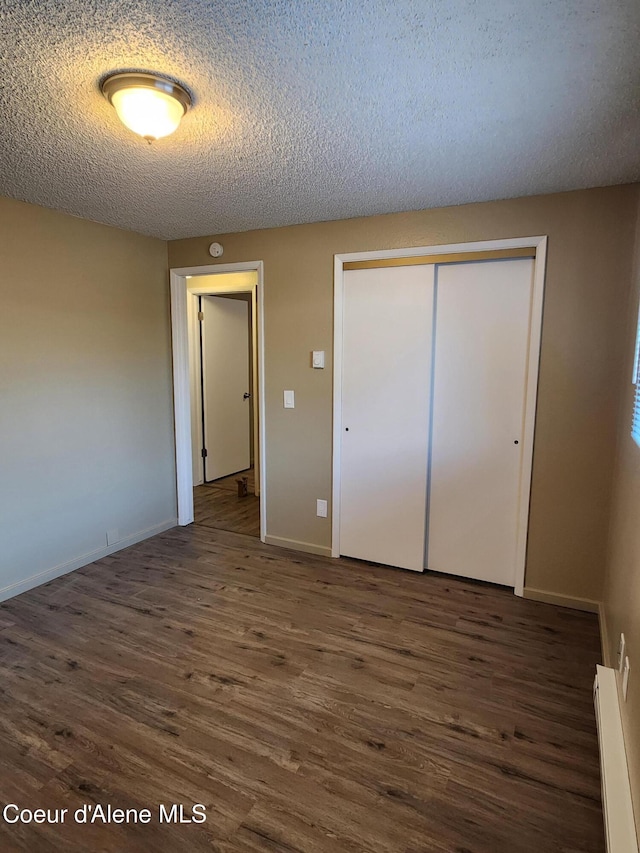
179 278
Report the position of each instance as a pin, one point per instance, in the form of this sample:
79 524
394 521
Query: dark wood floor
312 705
217 505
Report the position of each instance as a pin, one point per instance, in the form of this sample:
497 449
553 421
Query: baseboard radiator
617 807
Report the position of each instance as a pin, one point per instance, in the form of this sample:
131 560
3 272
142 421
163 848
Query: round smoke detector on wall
216 250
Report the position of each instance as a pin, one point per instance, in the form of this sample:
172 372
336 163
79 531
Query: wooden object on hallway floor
312 705
230 482
217 505
242 487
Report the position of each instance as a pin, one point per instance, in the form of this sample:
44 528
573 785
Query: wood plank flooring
312 705
217 505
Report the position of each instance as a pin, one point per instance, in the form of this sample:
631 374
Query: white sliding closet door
480 361
388 318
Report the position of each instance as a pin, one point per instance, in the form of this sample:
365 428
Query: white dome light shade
148 112
148 105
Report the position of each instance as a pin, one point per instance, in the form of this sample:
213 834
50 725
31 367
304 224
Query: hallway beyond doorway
217 505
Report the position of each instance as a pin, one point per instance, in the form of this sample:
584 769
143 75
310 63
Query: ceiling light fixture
149 105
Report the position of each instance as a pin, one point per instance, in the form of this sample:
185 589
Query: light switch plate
289 400
317 359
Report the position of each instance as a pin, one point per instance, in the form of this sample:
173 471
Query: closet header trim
452 258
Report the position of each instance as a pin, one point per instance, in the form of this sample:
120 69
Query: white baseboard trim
295 545
604 635
77 563
587 604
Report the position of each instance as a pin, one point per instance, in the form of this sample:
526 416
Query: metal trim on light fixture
138 79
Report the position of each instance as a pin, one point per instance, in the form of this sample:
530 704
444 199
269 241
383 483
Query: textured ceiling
317 109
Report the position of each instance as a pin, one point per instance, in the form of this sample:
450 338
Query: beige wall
86 430
590 239
622 587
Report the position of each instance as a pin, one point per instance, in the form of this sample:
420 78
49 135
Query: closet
433 403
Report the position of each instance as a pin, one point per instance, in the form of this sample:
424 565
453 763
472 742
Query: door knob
246 395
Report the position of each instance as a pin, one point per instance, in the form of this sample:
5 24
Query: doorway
223 377
217 326
225 495
436 364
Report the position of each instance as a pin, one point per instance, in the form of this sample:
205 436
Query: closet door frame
539 244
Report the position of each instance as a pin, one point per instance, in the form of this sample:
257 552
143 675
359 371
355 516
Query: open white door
225 385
